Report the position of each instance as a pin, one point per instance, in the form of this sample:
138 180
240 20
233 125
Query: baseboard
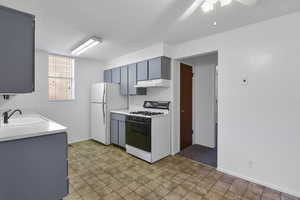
253 180
80 140
174 153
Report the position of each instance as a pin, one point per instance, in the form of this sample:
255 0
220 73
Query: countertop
41 126
122 112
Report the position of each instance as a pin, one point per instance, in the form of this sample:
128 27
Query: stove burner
147 113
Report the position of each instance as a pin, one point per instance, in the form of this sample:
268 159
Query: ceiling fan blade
248 2
191 9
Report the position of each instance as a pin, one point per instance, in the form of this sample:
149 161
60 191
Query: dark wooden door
186 100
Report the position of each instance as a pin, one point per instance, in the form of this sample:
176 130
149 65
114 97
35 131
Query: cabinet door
122 135
116 75
124 81
155 68
17 51
159 68
33 161
114 131
107 76
142 71
132 79
166 68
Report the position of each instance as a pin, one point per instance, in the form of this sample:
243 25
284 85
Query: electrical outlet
244 81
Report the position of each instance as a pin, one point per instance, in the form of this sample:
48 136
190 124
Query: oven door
138 135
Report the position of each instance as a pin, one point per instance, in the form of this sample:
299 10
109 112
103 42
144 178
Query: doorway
198 108
186 103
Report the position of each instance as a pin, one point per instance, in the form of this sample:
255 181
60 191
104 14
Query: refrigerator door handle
103 106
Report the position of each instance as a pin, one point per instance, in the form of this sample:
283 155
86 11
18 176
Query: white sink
28 125
23 121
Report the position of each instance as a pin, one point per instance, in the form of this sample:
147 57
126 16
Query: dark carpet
201 154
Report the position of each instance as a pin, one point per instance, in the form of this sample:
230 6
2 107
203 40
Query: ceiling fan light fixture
207 6
225 2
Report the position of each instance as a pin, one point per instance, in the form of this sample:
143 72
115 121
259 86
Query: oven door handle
135 122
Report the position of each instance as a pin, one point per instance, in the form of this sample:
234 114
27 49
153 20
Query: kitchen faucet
6 115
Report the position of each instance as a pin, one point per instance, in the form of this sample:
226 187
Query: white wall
258 129
153 51
153 94
204 100
259 123
73 114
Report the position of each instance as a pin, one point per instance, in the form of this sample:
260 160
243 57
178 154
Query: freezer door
98 93
99 123
115 99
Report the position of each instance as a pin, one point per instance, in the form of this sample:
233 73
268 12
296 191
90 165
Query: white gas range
148 131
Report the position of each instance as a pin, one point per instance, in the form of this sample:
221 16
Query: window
60 78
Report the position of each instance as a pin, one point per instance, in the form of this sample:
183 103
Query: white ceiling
128 25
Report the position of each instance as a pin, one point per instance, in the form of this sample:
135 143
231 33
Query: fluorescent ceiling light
91 42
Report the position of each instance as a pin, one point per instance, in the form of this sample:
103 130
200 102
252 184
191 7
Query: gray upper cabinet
124 81
107 76
116 75
132 80
128 76
159 68
142 71
17 50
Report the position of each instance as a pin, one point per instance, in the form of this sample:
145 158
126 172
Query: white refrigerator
104 98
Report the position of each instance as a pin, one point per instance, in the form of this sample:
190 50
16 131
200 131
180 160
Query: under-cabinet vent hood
153 83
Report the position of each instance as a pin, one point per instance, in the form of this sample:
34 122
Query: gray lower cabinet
116 75
132 81
159 68
114 131
124 81
117 129
34 168
107 75
122 134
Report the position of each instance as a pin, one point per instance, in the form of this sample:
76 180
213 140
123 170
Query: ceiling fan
209 5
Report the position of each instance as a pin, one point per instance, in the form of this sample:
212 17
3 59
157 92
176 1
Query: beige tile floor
107 172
